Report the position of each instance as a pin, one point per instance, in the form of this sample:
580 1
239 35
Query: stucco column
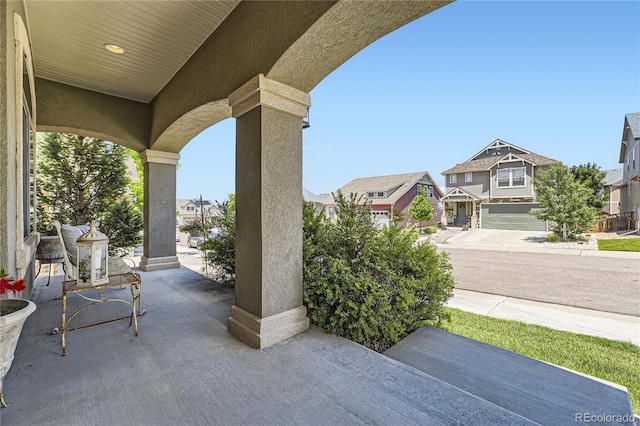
268 289
159 210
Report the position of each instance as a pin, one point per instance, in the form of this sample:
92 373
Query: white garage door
380 218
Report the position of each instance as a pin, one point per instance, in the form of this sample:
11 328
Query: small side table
121 276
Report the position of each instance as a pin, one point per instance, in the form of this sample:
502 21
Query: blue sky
552 77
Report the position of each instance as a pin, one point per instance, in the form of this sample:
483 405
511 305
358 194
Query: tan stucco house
152 75
494 188
613 188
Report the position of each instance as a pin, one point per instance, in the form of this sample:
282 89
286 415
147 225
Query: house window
28 173
468 177
511 177
381 194
369 194
28 156
430 191
633 158
331 212
453 178
503 178
517 177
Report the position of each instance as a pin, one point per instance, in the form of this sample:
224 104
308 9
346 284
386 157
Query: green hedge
372 286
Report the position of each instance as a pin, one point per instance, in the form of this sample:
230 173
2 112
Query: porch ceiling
158 37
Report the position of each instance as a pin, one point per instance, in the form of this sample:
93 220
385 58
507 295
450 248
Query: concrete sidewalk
525 242
584 321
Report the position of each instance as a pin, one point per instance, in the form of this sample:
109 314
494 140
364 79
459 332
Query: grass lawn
623 244
607 359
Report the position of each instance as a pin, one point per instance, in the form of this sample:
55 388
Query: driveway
507 240
498 237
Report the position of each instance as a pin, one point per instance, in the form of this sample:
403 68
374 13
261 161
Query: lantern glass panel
100 260
84 262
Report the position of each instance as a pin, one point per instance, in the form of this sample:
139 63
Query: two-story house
494 188
630 158
190 210
391 195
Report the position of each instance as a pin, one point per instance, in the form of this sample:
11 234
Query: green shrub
372 286
220 250
430 229
553 238
122 224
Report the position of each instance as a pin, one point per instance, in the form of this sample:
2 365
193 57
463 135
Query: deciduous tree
421 208
564 201
592 177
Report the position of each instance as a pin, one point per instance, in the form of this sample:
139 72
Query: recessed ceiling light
113 48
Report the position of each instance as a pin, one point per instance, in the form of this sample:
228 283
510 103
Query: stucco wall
5 72
8 189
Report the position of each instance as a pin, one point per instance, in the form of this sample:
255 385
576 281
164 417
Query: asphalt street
603 284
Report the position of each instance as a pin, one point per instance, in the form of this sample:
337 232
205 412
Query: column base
159 263
263 332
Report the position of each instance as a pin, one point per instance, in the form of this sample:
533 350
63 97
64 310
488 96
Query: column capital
162 157
263 91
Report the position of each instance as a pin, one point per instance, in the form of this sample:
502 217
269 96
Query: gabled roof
182 203
458 193
399 184
475 164
613 177
631 125
499 143
310 196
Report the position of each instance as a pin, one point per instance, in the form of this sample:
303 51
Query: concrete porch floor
186 369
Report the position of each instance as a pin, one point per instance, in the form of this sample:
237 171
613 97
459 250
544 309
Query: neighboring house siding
402 206
630 193
525 191
612 206
480 184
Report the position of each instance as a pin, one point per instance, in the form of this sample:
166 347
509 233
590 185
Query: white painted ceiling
158 36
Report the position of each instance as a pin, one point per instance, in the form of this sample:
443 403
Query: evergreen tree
81 179
421 208
564 201
122 224
137 188
592 177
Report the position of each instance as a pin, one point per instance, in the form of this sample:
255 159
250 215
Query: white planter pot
10 328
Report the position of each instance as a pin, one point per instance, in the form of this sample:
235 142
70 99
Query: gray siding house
630 158
494 188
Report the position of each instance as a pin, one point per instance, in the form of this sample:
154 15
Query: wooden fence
615 223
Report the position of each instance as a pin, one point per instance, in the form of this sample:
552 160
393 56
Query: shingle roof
402 182
634 123
613 177
486 163
310 196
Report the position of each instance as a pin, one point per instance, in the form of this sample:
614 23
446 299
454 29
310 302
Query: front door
461 216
